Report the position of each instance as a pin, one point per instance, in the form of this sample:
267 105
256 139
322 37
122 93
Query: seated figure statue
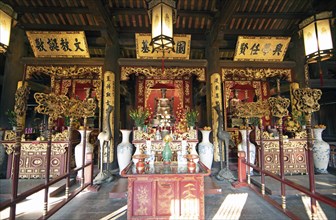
164 109
233 102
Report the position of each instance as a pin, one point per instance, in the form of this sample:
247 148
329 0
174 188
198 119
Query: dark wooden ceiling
210 22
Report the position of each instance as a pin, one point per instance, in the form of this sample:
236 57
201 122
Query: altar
151 144
165 191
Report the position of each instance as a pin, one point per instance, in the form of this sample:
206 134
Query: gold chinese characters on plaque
261 48
145 51
67 44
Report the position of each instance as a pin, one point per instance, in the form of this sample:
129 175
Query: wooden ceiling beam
183 13
287 16
52 10
221 20
103 17
284 33
59 27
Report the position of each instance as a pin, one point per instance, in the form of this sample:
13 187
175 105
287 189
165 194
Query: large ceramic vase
321 152
243 147
206 149
79 150
124 150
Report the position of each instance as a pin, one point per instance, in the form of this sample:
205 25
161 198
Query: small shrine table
165 191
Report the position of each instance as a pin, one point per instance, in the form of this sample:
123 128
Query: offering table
165 191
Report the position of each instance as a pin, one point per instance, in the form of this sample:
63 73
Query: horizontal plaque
67 44
261 48
144 50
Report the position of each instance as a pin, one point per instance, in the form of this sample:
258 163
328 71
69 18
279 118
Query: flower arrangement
139 116
320 126
191 117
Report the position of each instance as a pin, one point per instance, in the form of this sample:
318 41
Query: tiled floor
232 203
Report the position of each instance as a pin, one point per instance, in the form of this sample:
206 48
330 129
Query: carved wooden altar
295 157
165 192
33 158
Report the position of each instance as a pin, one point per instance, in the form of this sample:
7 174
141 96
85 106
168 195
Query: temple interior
157 106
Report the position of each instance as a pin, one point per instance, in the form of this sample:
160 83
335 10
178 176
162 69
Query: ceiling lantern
162 14
317 37
6 15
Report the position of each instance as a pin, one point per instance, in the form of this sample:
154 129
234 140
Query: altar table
165 191
33 158
295 155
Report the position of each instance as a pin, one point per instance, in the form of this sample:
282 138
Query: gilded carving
279 106
165 195
65 87
21 97
142 197
307 99
252 109
58 148
154 72
9 135
256 74
63 136
72 72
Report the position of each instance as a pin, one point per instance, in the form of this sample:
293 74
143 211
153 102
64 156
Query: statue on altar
232 108
163 115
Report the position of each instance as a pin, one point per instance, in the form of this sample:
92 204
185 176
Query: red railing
86 180
244 179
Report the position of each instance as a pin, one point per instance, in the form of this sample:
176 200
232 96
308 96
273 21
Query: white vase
206 149
243 147
321 152
79 150
124 150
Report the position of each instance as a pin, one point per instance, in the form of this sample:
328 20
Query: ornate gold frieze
279 106
58 148
307 99
288 144
72 72
256 73
154 72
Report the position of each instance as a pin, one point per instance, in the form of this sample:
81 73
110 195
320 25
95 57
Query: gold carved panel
156 72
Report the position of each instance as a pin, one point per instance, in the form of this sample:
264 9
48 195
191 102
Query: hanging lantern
6 15
162 14
317 37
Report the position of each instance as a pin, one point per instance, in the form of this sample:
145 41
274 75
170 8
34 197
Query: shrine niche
247 85
80 82
165 94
